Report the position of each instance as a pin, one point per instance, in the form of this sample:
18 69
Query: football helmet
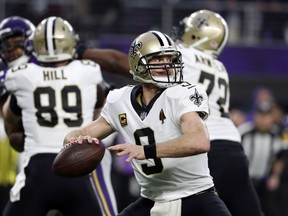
54 40
204 30
151 44
12 27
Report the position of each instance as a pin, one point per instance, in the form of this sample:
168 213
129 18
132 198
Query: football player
162 122
55 96
16 40
15 48
201 38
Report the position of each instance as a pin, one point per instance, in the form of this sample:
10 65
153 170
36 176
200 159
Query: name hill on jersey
53 75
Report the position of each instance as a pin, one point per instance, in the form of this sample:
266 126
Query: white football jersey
210 73
162 179
54 101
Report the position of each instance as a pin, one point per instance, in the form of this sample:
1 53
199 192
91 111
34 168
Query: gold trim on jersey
139 100
101 195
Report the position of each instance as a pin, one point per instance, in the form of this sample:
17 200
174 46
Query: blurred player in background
15 48
201 38
8 166
161 120
56 96
16 40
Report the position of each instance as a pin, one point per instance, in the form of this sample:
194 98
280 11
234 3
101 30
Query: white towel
20 178
171 208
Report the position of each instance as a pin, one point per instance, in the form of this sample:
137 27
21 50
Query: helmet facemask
173 70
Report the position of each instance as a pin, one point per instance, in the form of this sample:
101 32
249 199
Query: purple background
239 60
247 61
249 68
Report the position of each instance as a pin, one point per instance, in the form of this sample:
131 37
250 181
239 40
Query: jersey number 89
46 114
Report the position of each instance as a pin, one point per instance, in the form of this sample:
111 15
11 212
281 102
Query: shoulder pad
116 94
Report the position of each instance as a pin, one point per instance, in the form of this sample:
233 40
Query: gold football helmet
54 40
204 30
151 44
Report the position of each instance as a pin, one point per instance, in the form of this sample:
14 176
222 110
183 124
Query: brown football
75 160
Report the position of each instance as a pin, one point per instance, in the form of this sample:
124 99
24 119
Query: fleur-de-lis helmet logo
200 22
134 49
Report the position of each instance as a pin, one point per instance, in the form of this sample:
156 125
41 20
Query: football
75 160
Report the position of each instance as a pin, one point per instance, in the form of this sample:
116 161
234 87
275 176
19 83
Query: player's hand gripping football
79 157
80 139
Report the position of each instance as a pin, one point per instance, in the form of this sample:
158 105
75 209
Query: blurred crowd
264 134
252 22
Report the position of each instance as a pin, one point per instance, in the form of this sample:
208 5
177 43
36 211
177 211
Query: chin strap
199 42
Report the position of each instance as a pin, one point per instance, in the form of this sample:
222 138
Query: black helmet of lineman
151 44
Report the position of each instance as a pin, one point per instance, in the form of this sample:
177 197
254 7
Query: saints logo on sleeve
196 98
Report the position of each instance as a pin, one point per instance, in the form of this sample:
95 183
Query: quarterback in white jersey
201 38
166 140
52 100
159 123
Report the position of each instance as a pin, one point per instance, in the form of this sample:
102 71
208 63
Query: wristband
150 151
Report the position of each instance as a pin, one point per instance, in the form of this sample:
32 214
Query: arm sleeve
80 51
14 106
